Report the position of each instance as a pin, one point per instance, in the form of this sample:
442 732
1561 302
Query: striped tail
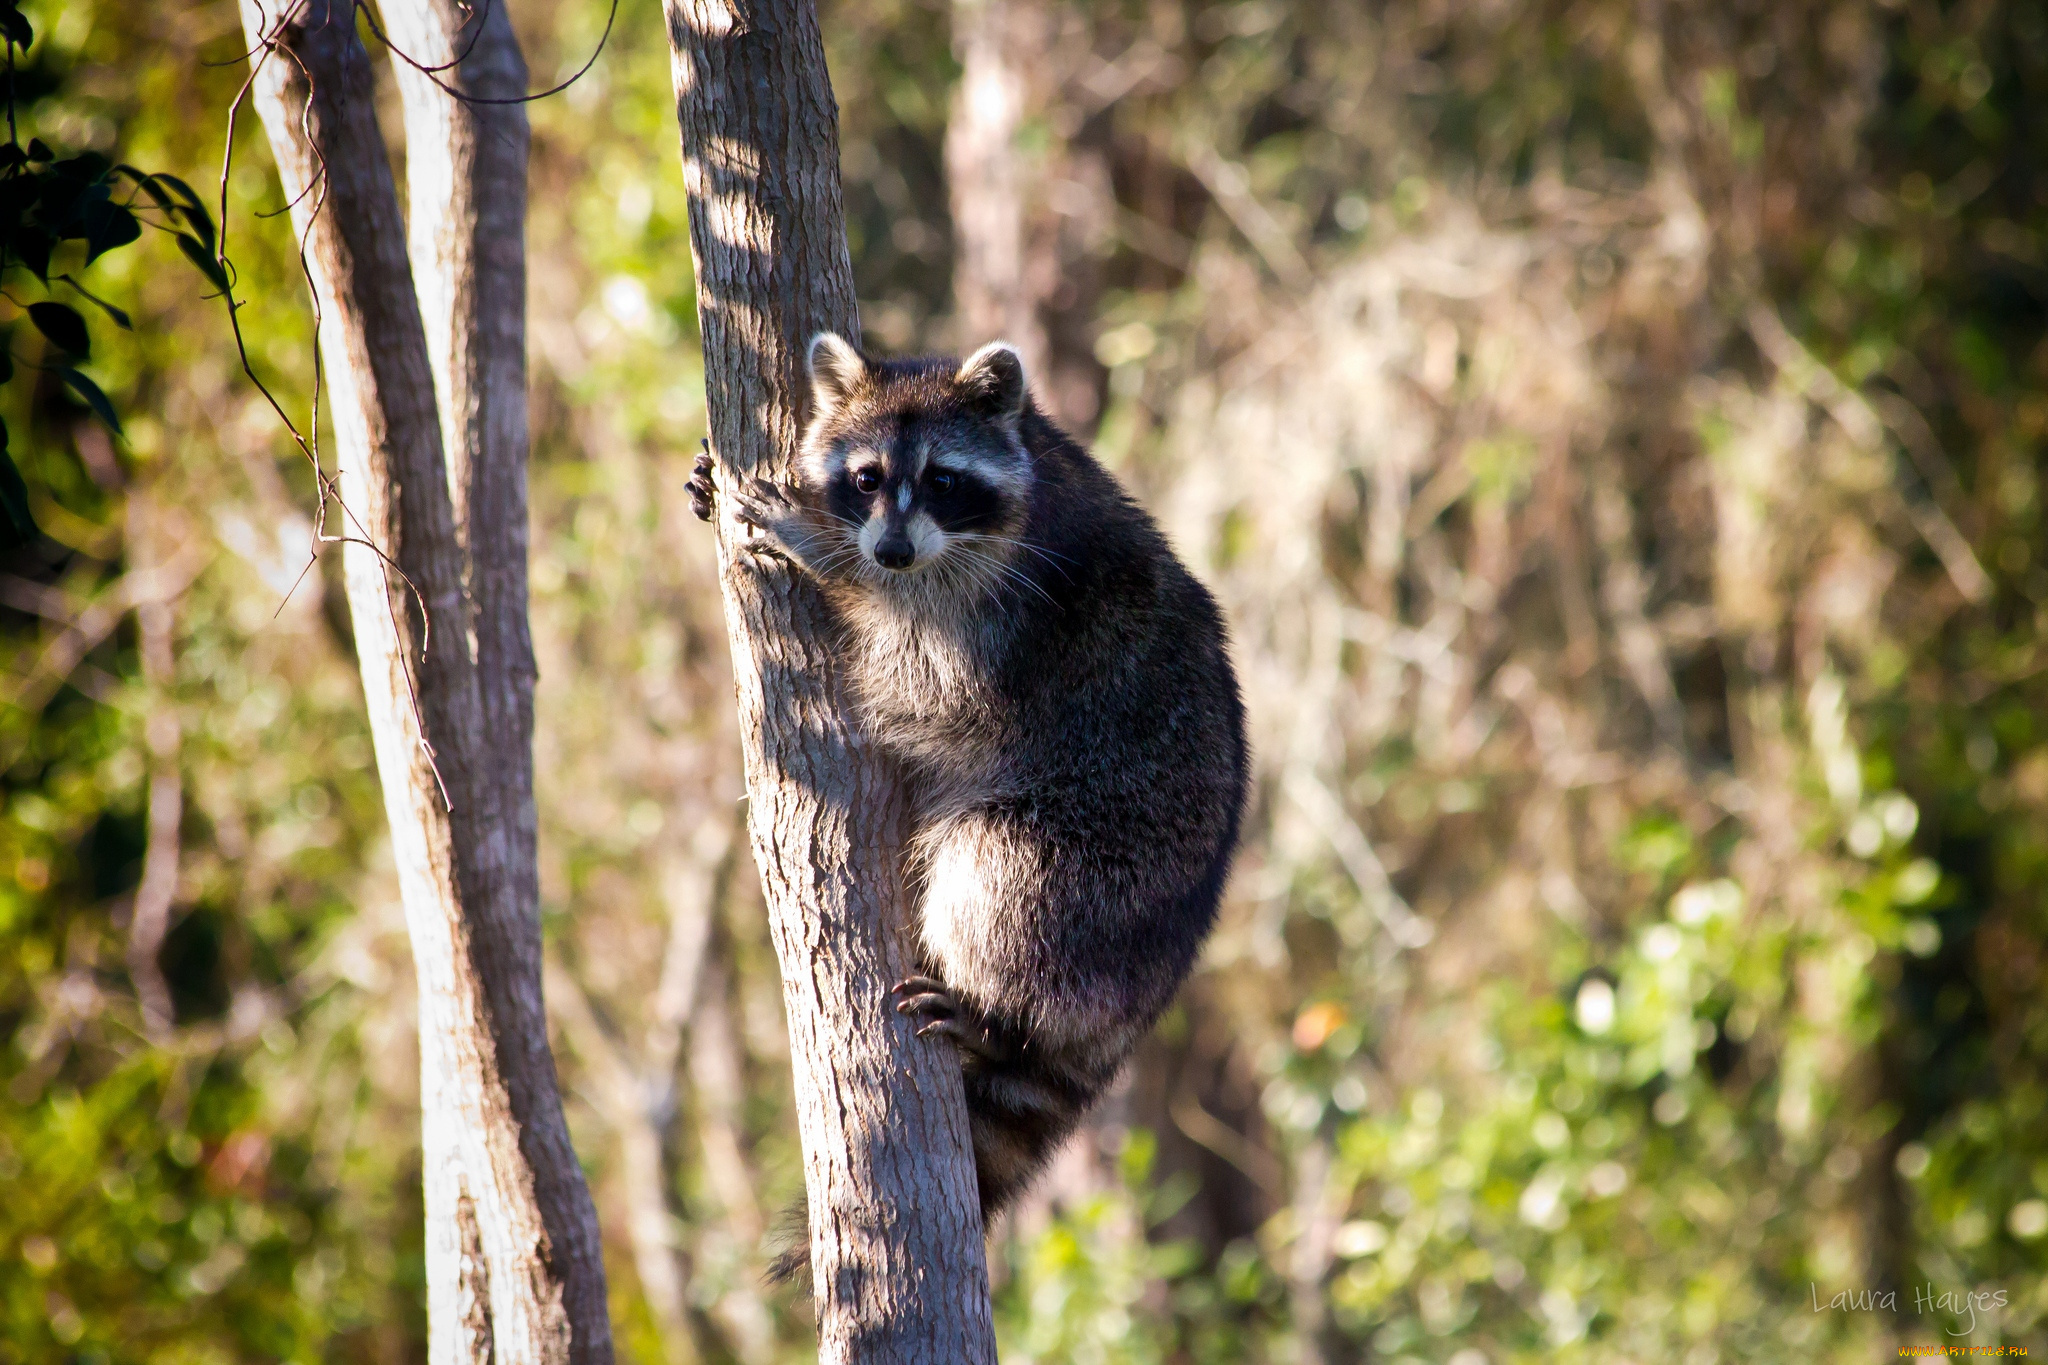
1019 1111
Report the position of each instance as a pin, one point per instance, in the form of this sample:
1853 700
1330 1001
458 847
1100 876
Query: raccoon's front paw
764 506
703 493
773 517
942 1015
775 522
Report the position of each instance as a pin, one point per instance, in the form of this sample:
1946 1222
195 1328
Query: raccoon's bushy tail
1018 1113
793 1229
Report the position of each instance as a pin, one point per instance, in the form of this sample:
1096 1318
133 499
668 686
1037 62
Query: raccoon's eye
867 480
942 481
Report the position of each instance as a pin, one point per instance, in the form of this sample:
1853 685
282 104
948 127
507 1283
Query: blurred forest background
1616 430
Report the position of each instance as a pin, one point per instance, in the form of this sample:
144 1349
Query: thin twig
432 72
325 485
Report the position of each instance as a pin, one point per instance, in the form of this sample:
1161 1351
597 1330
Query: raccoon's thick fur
1057 690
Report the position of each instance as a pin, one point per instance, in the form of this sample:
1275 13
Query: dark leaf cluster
47 201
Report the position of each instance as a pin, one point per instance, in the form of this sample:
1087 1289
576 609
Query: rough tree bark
899 1271
514 1268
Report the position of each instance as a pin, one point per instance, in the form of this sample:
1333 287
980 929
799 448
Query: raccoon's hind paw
924 995
703 493
942 1015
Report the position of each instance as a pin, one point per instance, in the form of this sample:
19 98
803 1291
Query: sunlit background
1616 431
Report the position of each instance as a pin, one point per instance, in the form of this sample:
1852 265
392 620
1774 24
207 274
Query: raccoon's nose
895 552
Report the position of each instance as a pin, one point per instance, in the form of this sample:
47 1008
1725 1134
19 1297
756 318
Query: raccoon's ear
991 381
837 369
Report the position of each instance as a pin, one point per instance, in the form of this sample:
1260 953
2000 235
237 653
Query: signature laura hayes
1961 1304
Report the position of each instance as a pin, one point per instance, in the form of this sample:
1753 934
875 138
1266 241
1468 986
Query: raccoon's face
917 465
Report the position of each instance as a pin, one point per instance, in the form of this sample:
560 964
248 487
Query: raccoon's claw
703 493
973 1040
925 996
943 1016
761 505
774 522
768 513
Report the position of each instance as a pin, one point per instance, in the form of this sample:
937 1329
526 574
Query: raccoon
1058 692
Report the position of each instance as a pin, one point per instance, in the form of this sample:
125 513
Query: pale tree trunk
150 920
1029 226
985 182
514 1270
898 1266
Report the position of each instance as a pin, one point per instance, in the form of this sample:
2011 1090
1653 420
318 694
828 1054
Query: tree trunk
898 1266
985 183
1030 226
514 1269
157 893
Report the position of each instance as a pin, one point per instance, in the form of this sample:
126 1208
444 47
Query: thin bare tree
899 1270
985 181
432 506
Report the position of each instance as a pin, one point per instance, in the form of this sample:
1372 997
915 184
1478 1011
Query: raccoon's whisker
994 571
843 547
805 538
1006 573
944 579
839 558
996 538
1010 569
824 555
1050 556
1010 572
966 564
964 574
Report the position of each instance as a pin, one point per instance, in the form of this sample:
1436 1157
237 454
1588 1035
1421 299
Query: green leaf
15 27
147 183
62 325
179 187
32 248
94 398
203 258
176 198
109 227
87 167
17 197
17 525
201 222
81 207
120 316
37 151
194 209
